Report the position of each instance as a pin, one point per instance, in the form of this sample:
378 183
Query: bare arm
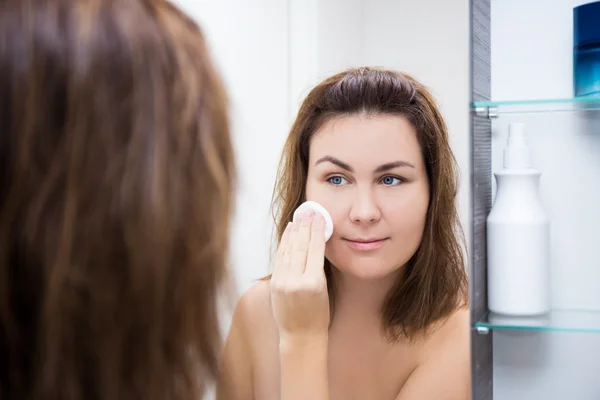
444 371
300 306
304 369
235 381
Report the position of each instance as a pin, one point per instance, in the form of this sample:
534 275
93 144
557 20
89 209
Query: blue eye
336 180
391 180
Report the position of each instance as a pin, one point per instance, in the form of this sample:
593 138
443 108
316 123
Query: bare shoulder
263 340
457 323
254 305
452 335
248 344
254 308
444 358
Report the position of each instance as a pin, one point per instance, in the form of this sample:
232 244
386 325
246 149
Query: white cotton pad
317 208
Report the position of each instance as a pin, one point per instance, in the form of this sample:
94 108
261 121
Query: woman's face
368 172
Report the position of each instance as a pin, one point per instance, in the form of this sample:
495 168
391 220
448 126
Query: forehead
369 139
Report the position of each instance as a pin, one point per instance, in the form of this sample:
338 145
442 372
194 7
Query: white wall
250 42
532 58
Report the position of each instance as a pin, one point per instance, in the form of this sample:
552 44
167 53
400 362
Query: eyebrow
381 168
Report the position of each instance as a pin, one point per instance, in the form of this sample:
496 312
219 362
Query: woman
115 199
380 311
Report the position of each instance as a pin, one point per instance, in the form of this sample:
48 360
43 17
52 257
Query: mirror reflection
381 308
365 126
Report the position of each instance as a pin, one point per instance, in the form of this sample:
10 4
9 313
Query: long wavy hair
116 180
434 283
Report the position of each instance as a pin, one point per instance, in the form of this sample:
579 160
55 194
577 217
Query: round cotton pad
317 208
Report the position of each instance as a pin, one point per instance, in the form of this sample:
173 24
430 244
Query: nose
364 208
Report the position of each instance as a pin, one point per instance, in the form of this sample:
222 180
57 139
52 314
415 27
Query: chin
366 269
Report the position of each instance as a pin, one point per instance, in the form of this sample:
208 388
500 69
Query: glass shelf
555 321
494 108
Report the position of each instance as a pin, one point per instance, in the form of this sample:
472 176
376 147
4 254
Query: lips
366 244
371 240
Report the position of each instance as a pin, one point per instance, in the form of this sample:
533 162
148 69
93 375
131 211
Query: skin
369 173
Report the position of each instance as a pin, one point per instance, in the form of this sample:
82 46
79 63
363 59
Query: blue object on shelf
586 49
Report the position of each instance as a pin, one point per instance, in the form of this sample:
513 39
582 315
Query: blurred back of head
116 178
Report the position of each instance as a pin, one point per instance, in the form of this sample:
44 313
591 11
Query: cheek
407 212
335 202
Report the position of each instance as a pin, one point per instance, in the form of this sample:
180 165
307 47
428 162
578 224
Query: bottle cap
585 25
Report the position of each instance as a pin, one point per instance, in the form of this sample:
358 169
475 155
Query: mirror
271 54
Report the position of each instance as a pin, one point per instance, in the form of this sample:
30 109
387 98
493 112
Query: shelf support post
486 112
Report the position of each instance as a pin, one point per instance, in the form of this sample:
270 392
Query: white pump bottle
518 236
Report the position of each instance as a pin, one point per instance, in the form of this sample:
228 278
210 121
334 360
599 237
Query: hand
298 285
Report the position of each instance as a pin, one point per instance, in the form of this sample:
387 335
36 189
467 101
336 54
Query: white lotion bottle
518 236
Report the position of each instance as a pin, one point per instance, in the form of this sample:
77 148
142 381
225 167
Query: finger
281 250
300 245
315 258
288 253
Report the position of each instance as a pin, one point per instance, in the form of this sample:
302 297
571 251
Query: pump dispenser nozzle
516 152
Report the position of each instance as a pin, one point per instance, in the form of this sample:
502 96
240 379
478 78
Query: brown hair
434 284
115 196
